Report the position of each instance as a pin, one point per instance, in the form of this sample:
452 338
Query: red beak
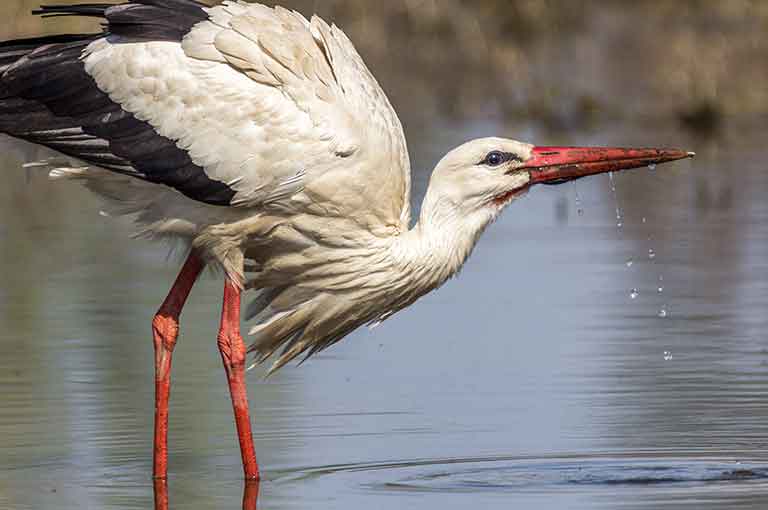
555 165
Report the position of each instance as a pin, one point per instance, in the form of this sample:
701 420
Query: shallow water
531 381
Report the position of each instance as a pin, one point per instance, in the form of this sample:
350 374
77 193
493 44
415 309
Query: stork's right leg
165 330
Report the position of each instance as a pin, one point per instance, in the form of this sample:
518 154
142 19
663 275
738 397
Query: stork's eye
495 158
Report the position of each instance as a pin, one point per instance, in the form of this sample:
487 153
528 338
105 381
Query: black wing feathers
154 20
47 97
92 10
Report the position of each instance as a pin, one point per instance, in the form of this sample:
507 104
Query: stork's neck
436 248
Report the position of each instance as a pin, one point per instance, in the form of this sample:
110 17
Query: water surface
531 381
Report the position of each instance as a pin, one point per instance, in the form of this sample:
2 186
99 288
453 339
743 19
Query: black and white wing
238 104
47 97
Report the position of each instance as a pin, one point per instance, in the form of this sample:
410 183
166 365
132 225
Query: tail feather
54 11
136 19
13 51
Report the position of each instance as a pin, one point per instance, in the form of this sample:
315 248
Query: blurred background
626 367
566 63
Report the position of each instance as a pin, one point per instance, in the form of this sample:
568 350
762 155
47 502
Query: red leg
250 494
165 330
161 494
233 353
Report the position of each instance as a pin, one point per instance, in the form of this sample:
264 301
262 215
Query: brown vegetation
565 62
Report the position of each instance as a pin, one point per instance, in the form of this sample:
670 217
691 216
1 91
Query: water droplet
667 356
630 262
660 289
634 293
645 220
652 167
661 278
579 210
619 215
651 254
663 313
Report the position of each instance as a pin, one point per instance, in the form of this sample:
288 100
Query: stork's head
477 179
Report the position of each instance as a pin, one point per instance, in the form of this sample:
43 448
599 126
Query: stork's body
261 139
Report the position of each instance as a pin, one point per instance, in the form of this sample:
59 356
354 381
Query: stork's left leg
233 354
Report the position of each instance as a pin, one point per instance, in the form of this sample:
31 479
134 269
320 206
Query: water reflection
250 494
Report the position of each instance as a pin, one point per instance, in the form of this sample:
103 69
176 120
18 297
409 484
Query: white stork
261 139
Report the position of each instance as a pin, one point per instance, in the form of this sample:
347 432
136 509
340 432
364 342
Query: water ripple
520 473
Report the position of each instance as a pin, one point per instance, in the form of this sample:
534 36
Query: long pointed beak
555 165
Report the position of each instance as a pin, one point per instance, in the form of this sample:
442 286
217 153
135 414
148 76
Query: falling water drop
663 314
660 289
645 220
630 262
652 167
667 355
579 209
634 293
651 253
619 215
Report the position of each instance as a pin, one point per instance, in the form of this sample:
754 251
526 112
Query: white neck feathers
436 248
